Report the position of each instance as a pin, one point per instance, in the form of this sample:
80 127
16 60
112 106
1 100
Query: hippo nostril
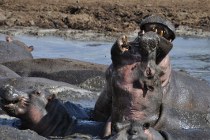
149 72
38 93
132 132
146 126
150 88
137 84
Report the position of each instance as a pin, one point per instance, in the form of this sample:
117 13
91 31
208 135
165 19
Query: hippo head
26 106
39 110
130 130
135 130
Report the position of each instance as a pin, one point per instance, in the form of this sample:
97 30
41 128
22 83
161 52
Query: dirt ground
101 16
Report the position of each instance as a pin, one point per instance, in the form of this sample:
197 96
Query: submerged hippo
13 52
135 130
179 110
9 39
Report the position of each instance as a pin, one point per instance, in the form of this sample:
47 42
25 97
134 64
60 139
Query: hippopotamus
134 130
5 72
84 74
41 111
141 89
11 133
179 110
9 39
13 52
137 81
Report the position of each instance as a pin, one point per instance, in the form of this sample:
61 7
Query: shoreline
91 35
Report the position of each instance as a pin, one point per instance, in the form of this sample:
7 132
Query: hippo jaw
21 104
14 102
160 25
123 53
38 111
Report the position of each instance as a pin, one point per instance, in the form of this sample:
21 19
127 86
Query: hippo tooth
161 33
170 40
124 49
124 39
143 31
156 30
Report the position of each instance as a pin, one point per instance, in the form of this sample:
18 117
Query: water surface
189 54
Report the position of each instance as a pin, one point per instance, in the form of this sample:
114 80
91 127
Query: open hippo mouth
165 31
17 103
156 34
159 25
135 75
12 100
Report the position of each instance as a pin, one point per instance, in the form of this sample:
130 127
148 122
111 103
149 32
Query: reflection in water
188 54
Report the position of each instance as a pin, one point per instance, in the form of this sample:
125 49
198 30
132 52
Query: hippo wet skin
12 52
48 116
180 111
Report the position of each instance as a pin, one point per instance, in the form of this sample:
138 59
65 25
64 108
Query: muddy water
189 54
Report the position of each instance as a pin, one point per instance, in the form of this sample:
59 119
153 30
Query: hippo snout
131 130
148 44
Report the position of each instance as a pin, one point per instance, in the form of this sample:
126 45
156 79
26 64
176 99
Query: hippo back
12 52
186 105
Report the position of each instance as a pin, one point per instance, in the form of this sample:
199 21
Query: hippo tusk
156 30
143 31
124 40
123 43
161 33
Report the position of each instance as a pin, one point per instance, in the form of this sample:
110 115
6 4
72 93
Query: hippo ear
146 126
51 97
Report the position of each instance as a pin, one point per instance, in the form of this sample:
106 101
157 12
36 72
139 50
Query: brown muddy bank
109 17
